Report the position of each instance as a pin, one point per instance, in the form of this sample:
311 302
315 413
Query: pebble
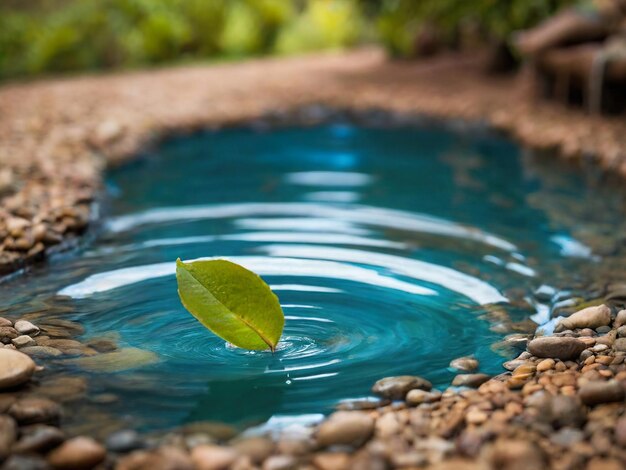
163 458
417 397
396 388
16 368
556 347
23 341
35 410
470 380
331 461
25 462
351 428
78 453
466 364
213 457
256 448
620 319
594 393
25 327
41 351
621 331
281 462
38 438
5 322
590 317
7 333
8 435
124 441
545 365
620 431
620 344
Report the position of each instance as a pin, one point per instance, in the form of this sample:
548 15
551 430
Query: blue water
393 251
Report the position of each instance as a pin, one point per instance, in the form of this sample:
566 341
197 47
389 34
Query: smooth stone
8 435
596 392
362 404
351 428
602 330
470 380
396 388
35 410
212 457
544 293
621 331
163 458
38 438
102 345
620 344
417 397
24 327
7 333
331 461
590 317
513 455
41 351
116 361
281 462
564 411
214 429
78 453
556 347
467 364
25 462
5 322
545 365
256 448
16 368
620 319
23 341
566 437
124 441
620 431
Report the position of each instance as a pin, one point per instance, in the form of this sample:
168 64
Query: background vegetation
52 36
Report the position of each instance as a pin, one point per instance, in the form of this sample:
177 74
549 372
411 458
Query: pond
392 250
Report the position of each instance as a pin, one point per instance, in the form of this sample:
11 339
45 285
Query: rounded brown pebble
594 393
351 428
556 347
470 380
396 388
35 410
16 368
213 457
78 453
545 365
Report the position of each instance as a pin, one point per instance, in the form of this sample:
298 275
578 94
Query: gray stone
23 341
620 344
594 393
567 437
25 462
24 327
396 388
590 317
556 347
621 331
351 428
470 380
16 368
38 438
124 441
41 351
620 319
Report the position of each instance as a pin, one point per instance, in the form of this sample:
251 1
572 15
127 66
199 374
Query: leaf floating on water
232 302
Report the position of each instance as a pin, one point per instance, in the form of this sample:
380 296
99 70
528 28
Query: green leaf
232 302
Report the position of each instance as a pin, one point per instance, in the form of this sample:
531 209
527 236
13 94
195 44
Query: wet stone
164 458
24 327
7 333
396 388
417 397
124 441
466 364
41 351
555 347
78 453
470 380
38 438
16 368
23 341
590 317
35 410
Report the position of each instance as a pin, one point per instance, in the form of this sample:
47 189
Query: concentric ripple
383 262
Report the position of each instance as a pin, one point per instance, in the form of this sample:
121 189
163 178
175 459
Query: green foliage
232 302
400 21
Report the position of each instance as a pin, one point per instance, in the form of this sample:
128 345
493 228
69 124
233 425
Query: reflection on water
392 251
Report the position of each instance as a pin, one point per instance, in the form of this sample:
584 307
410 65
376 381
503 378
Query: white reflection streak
305 288
109 280
300 224
469 286
328 178
378 217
